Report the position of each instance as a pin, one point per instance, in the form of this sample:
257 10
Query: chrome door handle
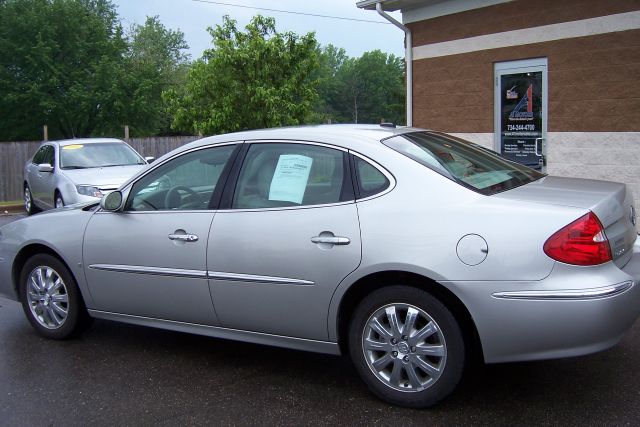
332 240
184 237
539 152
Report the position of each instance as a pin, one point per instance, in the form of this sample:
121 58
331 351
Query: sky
193 17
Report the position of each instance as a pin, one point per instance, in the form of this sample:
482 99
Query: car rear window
469 164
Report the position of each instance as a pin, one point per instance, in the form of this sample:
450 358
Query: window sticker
72 147
290 178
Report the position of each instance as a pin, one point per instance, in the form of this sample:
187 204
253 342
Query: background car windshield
469 164
81 156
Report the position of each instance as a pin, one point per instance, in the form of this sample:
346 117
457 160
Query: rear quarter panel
417 226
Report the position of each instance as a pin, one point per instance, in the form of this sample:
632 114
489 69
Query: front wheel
51 298
29 206
59 201
407 346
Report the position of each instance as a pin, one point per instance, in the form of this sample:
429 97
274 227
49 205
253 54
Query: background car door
150 260
42 183
290 236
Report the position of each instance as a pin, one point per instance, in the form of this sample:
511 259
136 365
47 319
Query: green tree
373 88
361 90
60 62
156 62
331 60
249 79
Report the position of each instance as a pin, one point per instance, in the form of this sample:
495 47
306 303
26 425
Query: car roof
346 135
74 141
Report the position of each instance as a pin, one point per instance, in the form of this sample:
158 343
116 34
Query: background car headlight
88 190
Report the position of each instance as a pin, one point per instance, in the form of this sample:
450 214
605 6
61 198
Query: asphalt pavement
117 374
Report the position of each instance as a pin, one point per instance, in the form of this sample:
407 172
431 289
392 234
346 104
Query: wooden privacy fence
14 155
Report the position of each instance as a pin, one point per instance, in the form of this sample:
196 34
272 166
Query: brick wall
513 15
593 85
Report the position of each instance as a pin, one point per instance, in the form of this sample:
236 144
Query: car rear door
150 259
287 237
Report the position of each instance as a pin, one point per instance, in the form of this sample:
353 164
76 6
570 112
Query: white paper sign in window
290 178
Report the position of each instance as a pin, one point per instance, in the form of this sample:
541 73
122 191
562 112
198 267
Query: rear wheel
51 298
406 346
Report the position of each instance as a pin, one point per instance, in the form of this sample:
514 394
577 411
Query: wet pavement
117 374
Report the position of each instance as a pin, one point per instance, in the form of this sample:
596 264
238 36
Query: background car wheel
406 346
29 206
59 200
51 298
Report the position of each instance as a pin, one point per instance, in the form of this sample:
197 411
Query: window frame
214 201
347 191
40 149
378 167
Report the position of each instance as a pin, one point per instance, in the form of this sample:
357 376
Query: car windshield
97 155
469 164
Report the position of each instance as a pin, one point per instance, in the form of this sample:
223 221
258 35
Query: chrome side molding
201 274
158 271
218 275
568 294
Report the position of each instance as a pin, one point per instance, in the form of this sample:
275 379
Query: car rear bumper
574 311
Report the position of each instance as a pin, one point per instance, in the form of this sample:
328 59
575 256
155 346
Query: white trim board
565 30
442 8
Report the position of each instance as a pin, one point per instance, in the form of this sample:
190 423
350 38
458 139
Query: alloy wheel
47 297
404 347
27 199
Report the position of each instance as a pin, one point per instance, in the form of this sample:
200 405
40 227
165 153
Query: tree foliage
59 63
365 89
156 62
331 60
68 64
249 79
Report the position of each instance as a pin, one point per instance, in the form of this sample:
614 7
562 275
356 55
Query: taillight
582 242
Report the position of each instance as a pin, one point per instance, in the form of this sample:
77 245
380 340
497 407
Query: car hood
107 177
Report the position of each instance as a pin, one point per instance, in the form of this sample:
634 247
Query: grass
11 203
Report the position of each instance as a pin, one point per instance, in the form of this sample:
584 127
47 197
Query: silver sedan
409 250
77 170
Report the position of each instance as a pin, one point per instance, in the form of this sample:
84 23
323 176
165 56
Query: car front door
287 238
42 183
150 259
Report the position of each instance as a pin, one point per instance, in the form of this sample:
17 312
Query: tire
29 206
51 299
413 368
58 200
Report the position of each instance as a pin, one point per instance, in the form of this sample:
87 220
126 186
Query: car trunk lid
612 203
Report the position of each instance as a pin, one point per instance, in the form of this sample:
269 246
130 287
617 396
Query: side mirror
149 159
112 202
45 167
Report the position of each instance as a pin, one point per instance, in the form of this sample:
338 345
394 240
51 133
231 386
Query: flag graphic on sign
519 112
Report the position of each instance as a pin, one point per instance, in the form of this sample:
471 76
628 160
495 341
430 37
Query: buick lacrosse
408 250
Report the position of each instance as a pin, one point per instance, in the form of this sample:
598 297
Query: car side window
49 155
39 156
183 183
370 180
279 175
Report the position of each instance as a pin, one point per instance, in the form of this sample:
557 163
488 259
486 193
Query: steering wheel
173 198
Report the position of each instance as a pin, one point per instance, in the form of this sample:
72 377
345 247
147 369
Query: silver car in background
409 250
77 170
